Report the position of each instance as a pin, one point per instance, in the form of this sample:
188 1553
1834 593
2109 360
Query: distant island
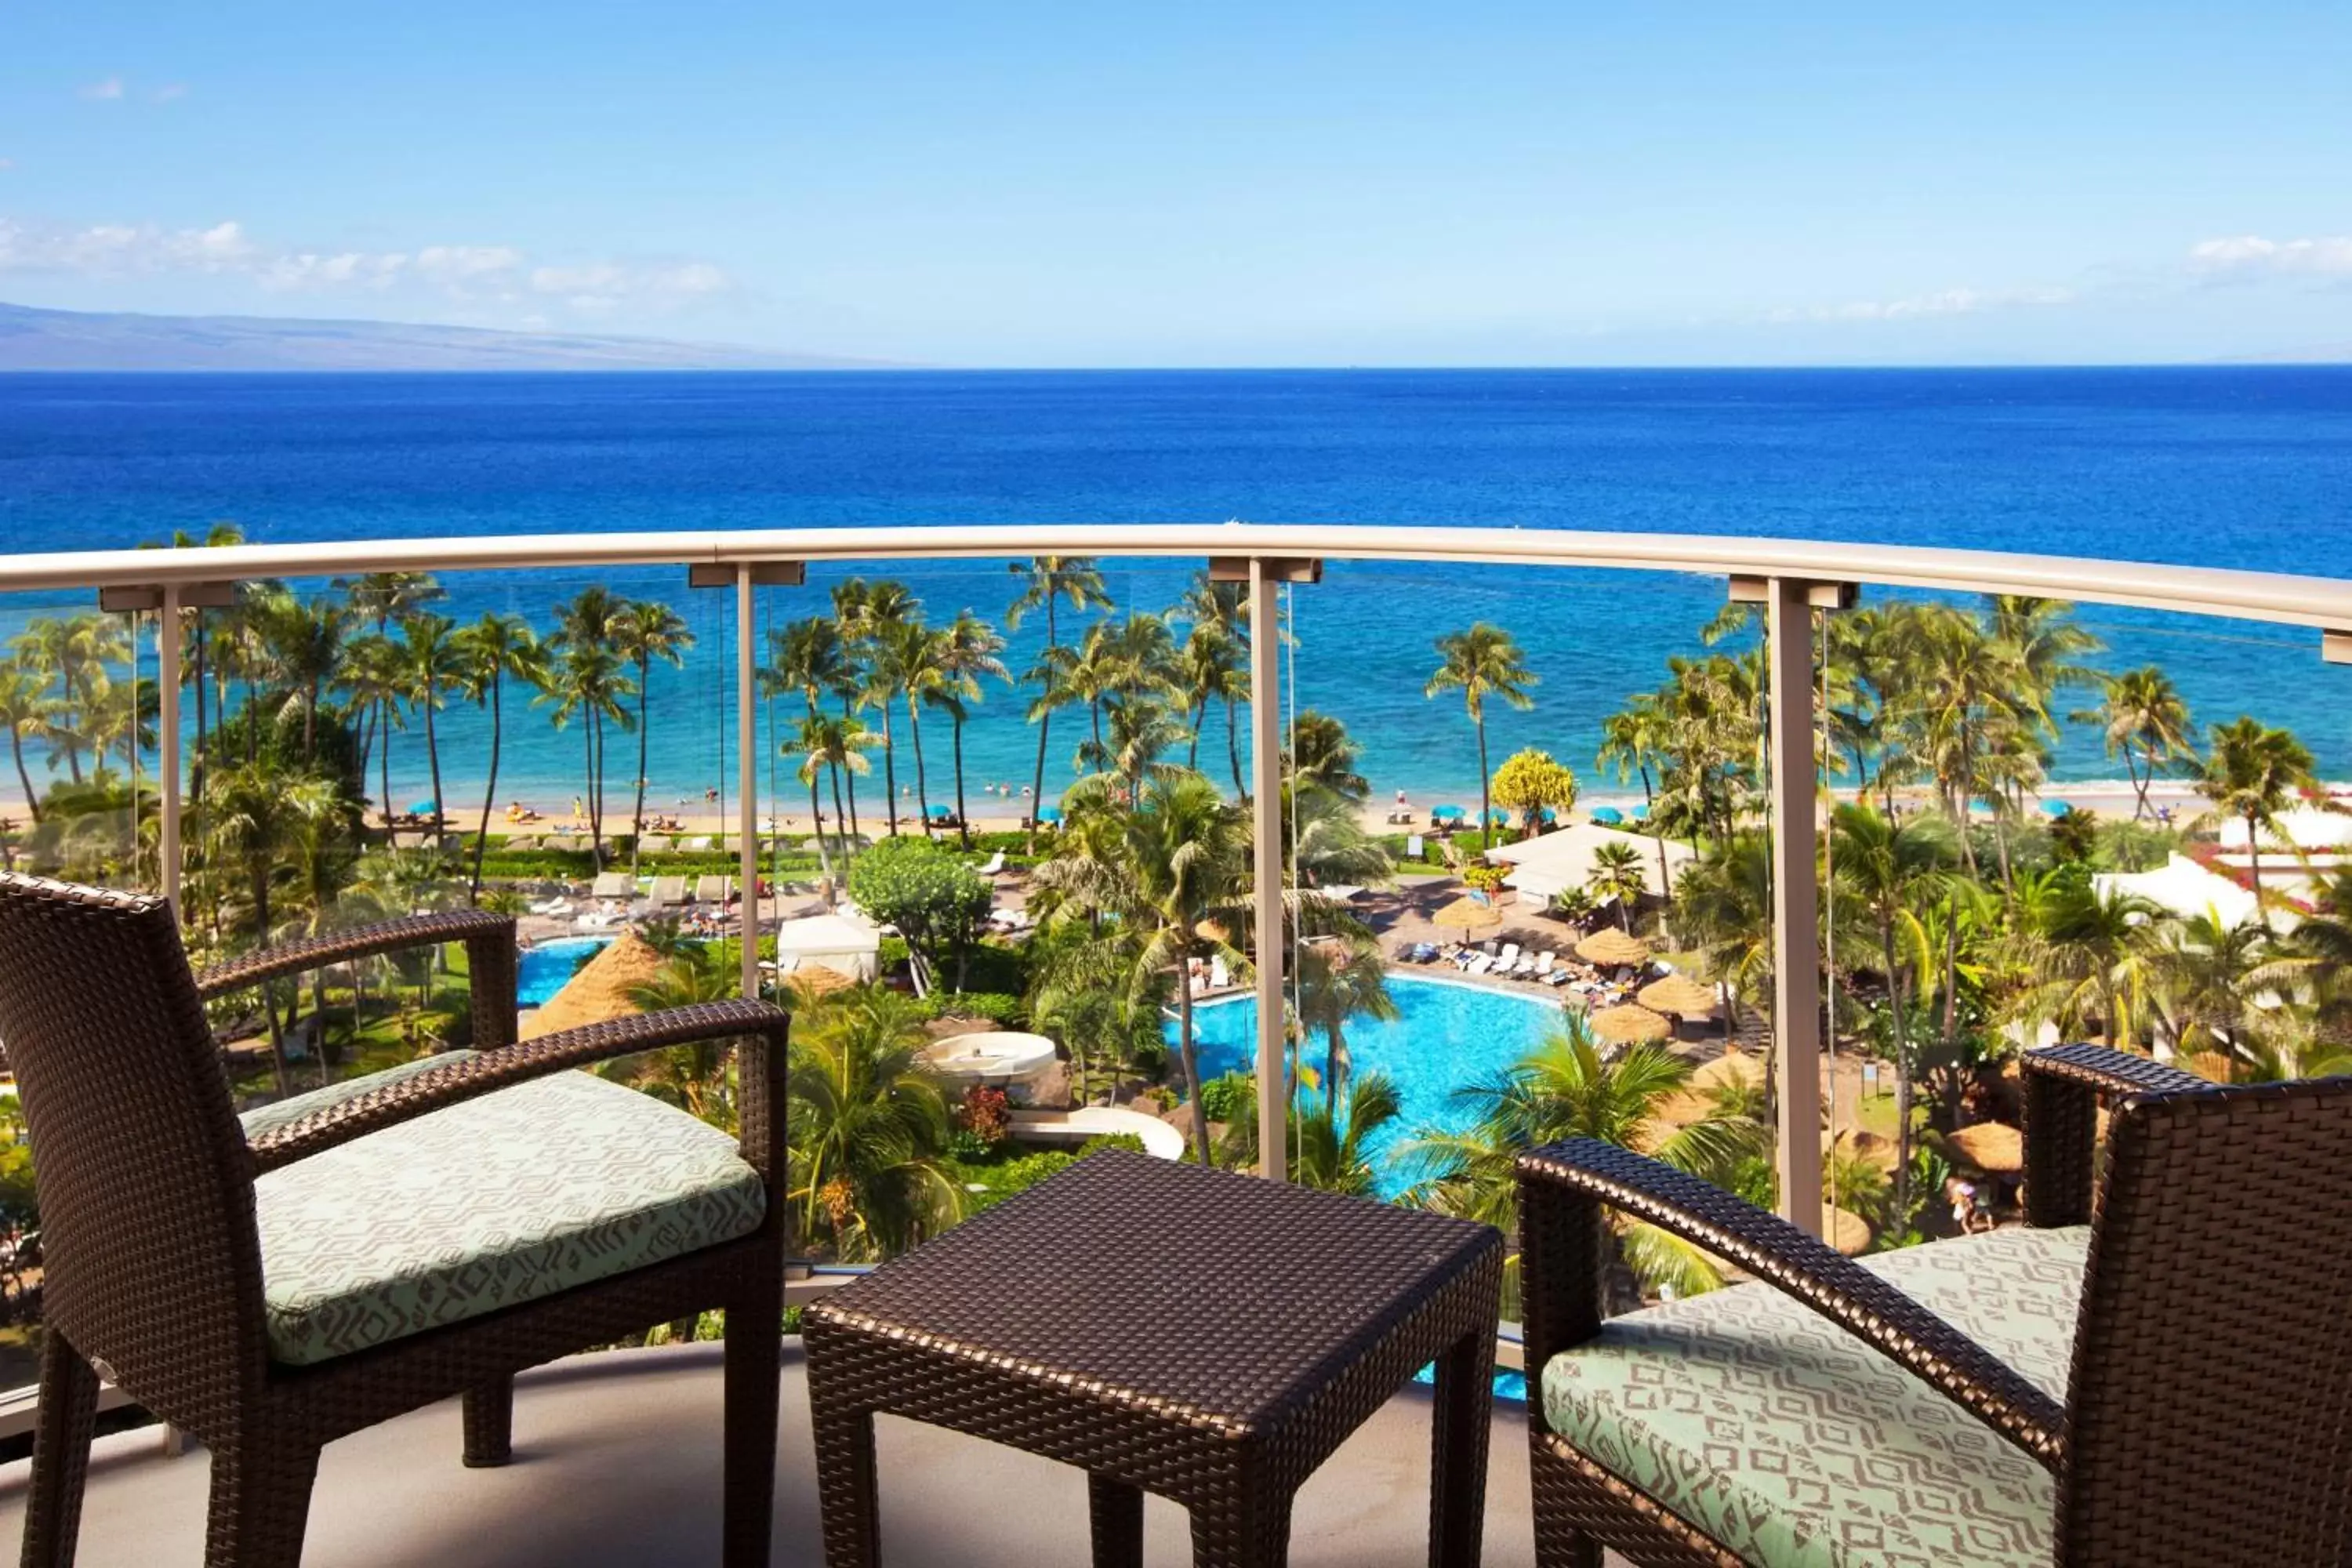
34 340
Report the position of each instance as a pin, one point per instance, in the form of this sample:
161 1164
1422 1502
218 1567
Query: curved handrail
2279 597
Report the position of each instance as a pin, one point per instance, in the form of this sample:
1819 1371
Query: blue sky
1018 183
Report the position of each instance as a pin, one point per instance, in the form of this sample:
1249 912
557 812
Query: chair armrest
489 956
1563 1189
472 1077
2062 1086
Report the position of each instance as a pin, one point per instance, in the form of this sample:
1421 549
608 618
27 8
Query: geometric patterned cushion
278 1113
1798 1446
485 1204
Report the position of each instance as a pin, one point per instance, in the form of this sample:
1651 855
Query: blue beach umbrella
936 813
423 807
1641 813
1608 815
1445 813
1549 816
1049 814
2056 807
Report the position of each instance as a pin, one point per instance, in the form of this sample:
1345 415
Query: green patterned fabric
488 1202
1798 1446
278 1113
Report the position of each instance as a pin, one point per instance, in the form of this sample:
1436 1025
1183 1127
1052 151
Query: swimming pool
1447 1034
541 971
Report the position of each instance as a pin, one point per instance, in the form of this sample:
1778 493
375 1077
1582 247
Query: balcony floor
616 1465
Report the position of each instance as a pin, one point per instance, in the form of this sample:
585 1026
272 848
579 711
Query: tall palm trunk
196 752
433 760
922 789
383 767
850 779
24 778
817 815
1234 747
1199 715
963 818
1485 805
645 722
1902 1072
1045 725
1192 1061
269 992
489 791
889 767
2255 870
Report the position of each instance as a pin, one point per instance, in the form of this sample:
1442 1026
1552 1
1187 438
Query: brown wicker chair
2159 1376
162 1216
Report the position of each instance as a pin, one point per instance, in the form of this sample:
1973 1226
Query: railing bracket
126 598
764 574
1278 568
1820 596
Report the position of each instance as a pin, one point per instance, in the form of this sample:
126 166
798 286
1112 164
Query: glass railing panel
78 787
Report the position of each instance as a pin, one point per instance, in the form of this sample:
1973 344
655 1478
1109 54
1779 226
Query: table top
1159 1281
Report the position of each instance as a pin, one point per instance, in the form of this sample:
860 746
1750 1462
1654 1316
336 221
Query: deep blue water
2246 467
1444 1036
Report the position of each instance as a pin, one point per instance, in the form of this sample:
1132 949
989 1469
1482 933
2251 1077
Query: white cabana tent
1551 863
2186 889
2305 828
834 942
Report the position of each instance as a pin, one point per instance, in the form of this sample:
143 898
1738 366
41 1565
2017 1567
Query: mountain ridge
34 339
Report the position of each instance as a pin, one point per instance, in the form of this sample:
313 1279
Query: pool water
541 971
1446 1034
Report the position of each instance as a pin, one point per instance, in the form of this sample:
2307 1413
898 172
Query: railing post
1796 900
747 762
167 714
1265 806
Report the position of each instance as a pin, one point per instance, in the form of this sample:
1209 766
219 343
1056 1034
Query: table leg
1117 1512
1461 1421
845 1486
1255 1533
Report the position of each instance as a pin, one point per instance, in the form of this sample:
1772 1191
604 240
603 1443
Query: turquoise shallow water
2237 466
1445 1036
542 969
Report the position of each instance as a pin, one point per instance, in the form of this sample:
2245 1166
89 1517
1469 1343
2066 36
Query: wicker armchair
270 1283
2155 1371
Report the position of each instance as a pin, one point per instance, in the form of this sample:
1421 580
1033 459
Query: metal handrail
2293 600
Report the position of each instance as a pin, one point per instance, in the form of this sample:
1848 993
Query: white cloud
105 91
468 274
171 94
7 164
1923 306
2251 256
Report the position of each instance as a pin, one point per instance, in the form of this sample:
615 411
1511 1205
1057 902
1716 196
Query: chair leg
260 1504
489 1424
1461 1421
755 1337
846 1502
1559 1543
60 1454
1116 1510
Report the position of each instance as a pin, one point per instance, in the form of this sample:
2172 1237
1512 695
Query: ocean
2239 467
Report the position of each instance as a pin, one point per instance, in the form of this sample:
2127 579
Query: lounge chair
1543 966
695 845
668 892
2025 1396
994 864
653 843
713 888
1479 963
614 885
519 845
1219 975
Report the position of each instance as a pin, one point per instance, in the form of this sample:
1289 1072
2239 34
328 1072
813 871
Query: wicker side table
1208 1336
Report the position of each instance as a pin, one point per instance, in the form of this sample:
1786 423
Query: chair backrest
146 1193
2210 1414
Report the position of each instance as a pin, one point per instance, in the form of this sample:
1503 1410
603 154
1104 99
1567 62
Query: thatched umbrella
601 990
1846 1231
1468 913
1992 1147
1610 948
1731 1067
1625 1024
1679 995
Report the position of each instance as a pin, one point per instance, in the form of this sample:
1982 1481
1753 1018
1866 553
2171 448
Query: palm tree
1480 663
1566 1089
488 652
691 1076
435 668
2147 724
968 651
1632 740
1338 982
1047 581
1727 907
2092 952
869 1127
375 675
829 743
2252 773
2207 976
1324 754
380 598
1617 874
251 820
810 657
1327 1147
643 631
910 659
1172 868
25 708
1885 873
587 684
1215 660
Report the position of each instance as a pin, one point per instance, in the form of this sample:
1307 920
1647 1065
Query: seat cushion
1793 1443
486 1203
